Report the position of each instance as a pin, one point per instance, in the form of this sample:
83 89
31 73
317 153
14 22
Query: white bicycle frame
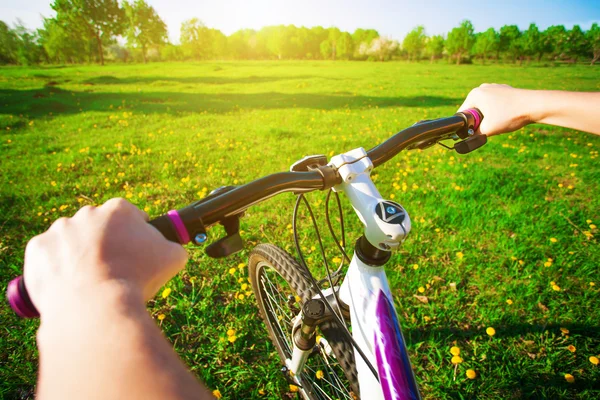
366 291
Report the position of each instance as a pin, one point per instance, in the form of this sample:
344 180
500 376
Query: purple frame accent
180 229
395 373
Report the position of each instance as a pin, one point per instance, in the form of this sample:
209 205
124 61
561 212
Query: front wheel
281 289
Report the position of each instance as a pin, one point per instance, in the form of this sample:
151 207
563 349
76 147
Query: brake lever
470 144
231 243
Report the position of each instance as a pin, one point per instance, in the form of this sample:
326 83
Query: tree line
85 31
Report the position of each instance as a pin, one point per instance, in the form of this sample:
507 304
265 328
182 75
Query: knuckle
117 204
85 210
34 244
60 223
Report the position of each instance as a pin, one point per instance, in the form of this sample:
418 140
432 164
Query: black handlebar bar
225 206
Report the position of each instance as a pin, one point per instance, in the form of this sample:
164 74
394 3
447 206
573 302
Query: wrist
539 105
87 309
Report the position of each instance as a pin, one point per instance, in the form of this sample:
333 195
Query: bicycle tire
292 273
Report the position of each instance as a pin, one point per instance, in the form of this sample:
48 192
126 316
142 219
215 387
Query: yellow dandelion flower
241 296
592 284
556 288
548 264
416 266
232 338
232 271
572 348
455 351
166 293
320 374
336 260
293 388
553 240
53 183
471 374
244 286
456 360
589 221
262 392
421 289
594 360
570 378
230 332
217 394
161 317
490 331
241 265
592 226
509 301
460 255
240 280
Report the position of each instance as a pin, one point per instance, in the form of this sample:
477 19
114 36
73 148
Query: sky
393 18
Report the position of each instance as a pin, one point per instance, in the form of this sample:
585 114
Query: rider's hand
504 108
99 251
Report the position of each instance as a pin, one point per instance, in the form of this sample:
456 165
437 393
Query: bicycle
309 326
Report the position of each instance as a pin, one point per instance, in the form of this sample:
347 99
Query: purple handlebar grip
180 229
476 115
19 300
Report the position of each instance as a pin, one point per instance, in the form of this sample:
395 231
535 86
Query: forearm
575 110
109 348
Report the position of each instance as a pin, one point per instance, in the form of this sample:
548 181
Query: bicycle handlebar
227 204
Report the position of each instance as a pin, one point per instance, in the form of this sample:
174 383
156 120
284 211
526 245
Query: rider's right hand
505 108
98 252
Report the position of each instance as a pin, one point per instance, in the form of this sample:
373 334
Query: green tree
486 43
28 49
316 36
575 43
64 46
414 42
345 46
171 52
593 39
555 39
435 46
144 27
533 42
382 48
329 47
510 42
460 40
326 49
200 42
362 39
98 20
8 45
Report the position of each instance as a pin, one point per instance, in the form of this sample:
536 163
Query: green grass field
503 237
